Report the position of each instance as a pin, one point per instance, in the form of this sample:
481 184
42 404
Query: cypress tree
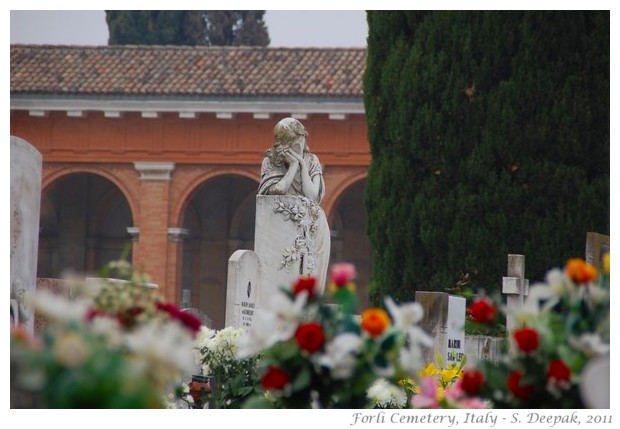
489 134
187 27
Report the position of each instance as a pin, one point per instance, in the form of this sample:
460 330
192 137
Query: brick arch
180 204
50 179
332 198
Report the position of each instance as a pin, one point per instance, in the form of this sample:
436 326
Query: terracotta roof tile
187 71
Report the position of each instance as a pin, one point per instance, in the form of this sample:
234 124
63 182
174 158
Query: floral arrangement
319 354
231 380
435 387
565 324
112 345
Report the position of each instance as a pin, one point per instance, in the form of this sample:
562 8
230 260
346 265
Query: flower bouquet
112 345
565 324
231 380
318 354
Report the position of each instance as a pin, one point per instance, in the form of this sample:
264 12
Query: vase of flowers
112 345
564 326
316 353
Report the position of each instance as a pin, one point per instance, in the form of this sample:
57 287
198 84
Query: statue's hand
297 156
290 157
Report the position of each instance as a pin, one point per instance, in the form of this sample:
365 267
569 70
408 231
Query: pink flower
427 398
343 273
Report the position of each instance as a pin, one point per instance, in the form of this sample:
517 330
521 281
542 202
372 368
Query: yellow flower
606 263
71 350
428 371
333 287
452 373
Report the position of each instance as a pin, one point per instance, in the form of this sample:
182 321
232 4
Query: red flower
580 271
343 273
482 311
188 320
471 381
310 336
527 339
514 384
93 312
274 379
558 372
128 317
305 283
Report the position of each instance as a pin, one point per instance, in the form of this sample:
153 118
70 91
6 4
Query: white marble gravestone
26 164
244 284
291 239
444 320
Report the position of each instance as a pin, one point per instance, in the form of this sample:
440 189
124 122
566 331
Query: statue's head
287 132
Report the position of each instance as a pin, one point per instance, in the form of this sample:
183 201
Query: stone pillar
516 288
175 262
26 164
153 222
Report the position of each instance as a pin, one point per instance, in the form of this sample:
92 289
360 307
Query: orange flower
580 271
375 321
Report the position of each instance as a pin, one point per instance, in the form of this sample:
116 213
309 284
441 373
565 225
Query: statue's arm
311 185
281 186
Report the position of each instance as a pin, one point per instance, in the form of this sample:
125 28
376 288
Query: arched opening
83 225
350 241
219 216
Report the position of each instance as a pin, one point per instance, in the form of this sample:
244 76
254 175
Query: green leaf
389 341
258 402
302 380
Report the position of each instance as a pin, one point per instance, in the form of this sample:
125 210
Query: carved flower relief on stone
305 215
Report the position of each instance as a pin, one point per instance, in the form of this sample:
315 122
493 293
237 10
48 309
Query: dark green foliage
489 134
187 27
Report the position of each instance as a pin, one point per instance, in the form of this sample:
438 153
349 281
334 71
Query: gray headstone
26 165
243 288
444 320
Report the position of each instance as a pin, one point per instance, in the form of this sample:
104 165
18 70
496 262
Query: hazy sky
314 28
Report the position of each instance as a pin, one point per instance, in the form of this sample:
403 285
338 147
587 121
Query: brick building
160 148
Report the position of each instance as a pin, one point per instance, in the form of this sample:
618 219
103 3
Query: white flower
590 344
340 355
169 345
288 313
261 336
203 336
405 315
406 318
411 359
109 328
385 394
57 308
